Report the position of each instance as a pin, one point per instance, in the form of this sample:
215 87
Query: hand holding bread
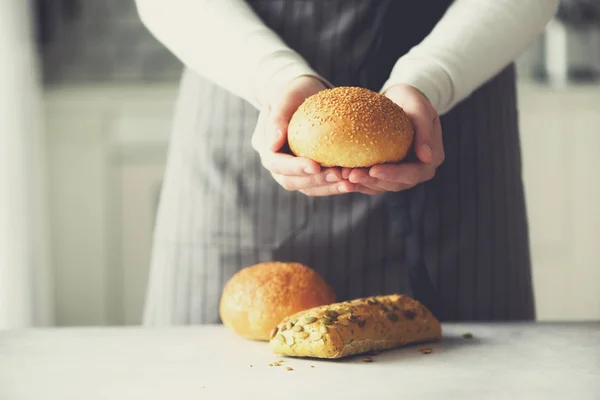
327 130
270 138
428 147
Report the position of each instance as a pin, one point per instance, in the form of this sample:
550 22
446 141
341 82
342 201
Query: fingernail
331 178
309 170
342 189
428 154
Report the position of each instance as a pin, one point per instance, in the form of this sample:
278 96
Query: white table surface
502 361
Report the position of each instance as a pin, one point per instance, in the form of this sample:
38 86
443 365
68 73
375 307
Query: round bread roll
258 297
350 127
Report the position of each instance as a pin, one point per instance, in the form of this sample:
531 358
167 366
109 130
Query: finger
383 186
270 133
258 141
438 140
366 190
423 140
361 177
278 163
422 118
330 190
293 183
346 172
285 164
275 135
424 147
358 174
429 146
261 141
428 142
281 112
364 183
408 173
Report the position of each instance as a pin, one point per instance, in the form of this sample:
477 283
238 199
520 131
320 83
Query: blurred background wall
108 93
25 278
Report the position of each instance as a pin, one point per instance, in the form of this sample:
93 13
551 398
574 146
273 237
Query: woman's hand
428 146
270 136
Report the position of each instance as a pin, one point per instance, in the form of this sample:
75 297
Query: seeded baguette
353 327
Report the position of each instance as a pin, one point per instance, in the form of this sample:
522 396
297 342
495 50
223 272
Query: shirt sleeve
472 42
225 42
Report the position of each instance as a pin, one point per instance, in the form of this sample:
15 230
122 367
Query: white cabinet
137 182
138 187
77 191
560 135
107 149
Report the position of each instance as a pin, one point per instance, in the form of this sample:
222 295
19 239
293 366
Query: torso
457 243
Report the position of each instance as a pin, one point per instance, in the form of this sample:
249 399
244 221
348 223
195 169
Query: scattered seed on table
289 368
467 335
426 350
367 359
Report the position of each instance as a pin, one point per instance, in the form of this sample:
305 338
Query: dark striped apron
458 243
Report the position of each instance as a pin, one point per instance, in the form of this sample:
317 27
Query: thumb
276 131
424 142
423 118
280 115
424 151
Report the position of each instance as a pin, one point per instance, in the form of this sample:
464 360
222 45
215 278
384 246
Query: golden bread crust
350 127
354 327
258 297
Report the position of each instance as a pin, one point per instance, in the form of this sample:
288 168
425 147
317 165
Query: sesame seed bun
257 298
350 127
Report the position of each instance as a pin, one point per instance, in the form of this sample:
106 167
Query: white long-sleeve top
227 43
